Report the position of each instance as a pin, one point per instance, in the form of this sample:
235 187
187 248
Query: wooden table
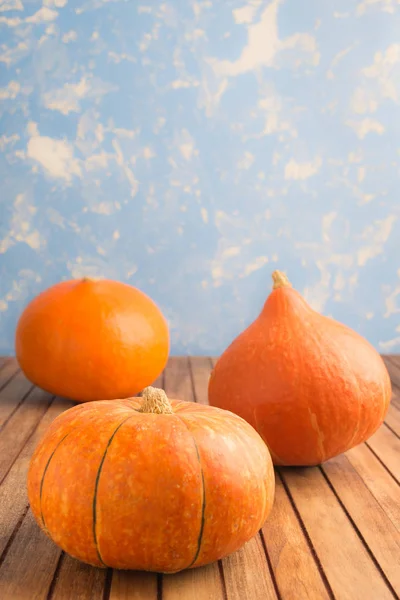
333 533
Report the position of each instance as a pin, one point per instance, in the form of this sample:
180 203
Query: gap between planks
373 527
8 370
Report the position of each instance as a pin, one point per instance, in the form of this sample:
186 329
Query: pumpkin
148 483
86 339
312 387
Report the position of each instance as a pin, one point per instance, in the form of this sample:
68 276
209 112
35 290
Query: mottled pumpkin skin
160 492
312 387
86 339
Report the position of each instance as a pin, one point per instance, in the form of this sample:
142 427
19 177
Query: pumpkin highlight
150 483
86 339
312 387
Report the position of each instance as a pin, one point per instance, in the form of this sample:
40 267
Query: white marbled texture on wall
190 148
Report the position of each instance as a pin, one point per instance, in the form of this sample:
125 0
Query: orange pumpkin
86 339
312 387
148 483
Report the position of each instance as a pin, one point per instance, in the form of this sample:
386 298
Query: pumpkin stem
155 401
280 280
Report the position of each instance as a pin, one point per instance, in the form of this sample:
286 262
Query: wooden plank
20 426
393 368
7 371
13 393
159 382
247 575
28 567
77 581
13 495
133 585
203 583
296 571
394 359
177 379
395 399
378 531
386 445
392 419
349 569
378 481
200 367
4 360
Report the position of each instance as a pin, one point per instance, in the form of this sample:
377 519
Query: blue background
190 148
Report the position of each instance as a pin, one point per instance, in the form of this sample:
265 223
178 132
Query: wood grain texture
178 380
200 367
8 370
247 574
395 399
29 565
386 445
377 479
4 360
77 581
393 366
132 585
203 583
296 571
13 495
15 388
392 419
19 427
378 531
349 568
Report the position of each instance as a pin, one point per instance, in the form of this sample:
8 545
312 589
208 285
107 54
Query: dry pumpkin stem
155 401
280 280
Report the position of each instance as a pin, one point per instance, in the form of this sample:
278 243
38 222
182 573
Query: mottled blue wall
190 148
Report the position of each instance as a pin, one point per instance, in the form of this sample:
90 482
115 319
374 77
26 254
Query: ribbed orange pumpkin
86 339
312 387
148 483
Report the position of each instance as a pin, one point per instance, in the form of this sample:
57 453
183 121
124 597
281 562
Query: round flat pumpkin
88 339
148 483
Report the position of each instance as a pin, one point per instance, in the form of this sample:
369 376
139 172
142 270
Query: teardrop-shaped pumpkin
87 339
148 483
312 387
